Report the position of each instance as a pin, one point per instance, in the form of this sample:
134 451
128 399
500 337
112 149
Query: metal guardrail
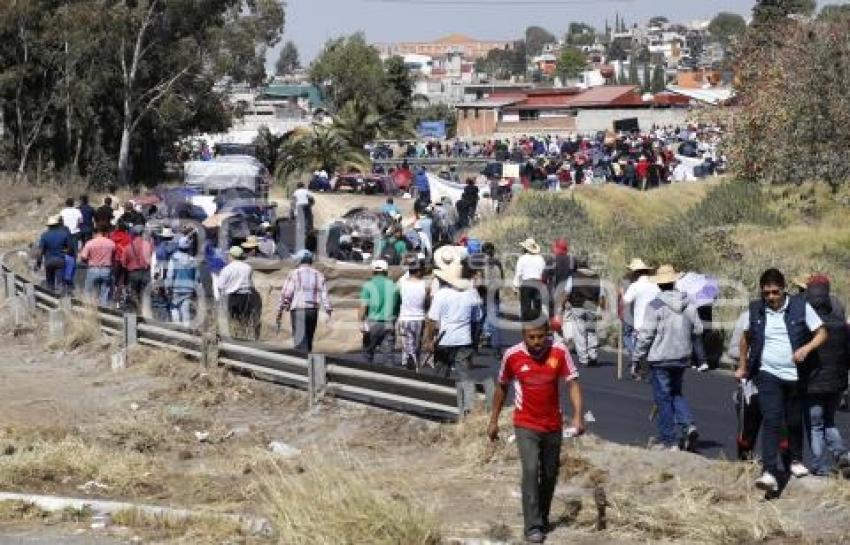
394 389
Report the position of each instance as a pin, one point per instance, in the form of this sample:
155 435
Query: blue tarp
432 129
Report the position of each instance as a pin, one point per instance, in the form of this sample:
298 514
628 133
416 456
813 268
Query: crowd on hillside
640 160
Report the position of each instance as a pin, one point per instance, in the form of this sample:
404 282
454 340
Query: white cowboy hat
53 220
530 245
380 265
454 278
167 233
637 264
666 274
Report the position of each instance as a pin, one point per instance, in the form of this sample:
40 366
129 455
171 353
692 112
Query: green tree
621 75
580 34
535 38
771 11
617 50
659 79
348 69
571 63
396 100
317 148
288 60
647 79
725 26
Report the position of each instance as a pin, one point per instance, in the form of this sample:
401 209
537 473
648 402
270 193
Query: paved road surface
621 408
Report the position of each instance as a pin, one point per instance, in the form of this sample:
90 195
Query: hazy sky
309 23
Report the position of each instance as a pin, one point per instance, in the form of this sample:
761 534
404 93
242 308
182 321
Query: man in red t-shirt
537 367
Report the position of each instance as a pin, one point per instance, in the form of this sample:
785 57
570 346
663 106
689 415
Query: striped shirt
305 287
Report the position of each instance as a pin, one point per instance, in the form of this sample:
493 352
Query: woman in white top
529 278
415 295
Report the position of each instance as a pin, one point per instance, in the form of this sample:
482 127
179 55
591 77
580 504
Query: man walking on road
415 295
454 314
53 247
379 308
537 367
665 342
304 291
783 332
528 278
236 288
99 255
584 302
639 294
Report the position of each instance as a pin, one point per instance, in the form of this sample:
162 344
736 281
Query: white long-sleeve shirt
529 267
236 277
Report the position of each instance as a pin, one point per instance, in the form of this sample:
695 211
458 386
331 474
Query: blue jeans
673 410
98 283
824 437
181 308
781 408
491 328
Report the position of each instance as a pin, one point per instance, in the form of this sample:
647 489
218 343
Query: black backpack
389 253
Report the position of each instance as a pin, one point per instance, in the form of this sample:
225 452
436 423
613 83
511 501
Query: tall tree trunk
124 152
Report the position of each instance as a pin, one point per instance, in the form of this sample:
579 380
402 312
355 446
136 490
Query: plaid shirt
305 287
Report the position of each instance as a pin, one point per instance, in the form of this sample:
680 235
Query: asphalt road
621 408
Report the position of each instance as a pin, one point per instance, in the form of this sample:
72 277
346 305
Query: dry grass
16 510
81 330
46 465
335 501
468 443
200 529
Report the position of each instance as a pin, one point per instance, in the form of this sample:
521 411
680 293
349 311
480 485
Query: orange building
698 79
453 43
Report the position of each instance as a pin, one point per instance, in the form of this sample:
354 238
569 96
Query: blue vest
795 322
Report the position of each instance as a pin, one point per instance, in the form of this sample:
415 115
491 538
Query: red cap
821 279
560 247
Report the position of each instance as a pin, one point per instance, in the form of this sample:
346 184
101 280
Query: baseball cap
380 265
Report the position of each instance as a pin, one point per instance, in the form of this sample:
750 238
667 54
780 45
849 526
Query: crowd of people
640 160
792 349
129 261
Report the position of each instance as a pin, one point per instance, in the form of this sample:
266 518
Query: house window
529 115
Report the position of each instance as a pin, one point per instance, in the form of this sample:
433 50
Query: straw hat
236 252
666 274
637 264
380 265
167 233
53 220
802 280
449 266
250 243
530 246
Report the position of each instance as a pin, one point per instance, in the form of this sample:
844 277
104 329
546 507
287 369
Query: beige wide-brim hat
454 278
801 281
251 243
448 263
637 264
666 274
530 245
53 220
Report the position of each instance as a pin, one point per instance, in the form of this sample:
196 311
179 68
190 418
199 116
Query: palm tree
317 148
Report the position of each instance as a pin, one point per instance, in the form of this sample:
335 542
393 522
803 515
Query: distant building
469 48
563 112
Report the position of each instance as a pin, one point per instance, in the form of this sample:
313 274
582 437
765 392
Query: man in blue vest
783 332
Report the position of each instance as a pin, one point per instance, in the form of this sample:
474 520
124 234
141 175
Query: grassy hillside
727 228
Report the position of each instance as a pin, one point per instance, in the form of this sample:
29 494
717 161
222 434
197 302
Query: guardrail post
209 350
467 388
131 335
29 295
317 377
56 324
20 310
10 284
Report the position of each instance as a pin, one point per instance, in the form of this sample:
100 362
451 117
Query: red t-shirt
536 401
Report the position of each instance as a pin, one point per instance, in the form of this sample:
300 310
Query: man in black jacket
826 378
